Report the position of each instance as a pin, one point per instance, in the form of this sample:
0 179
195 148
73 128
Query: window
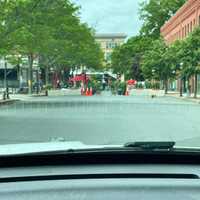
185 30
108 56
111 45
199 20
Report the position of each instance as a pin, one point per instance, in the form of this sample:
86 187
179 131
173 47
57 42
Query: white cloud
111 16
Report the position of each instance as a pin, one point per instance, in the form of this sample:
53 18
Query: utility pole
181 80
6 80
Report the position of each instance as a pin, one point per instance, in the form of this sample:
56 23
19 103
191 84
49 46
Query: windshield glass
99 72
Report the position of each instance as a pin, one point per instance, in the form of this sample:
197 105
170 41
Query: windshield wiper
151 145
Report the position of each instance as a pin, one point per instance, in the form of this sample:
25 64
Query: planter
114 92
120 92
98 92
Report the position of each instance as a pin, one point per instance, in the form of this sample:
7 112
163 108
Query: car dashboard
99 180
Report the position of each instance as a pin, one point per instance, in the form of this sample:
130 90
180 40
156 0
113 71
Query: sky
111 16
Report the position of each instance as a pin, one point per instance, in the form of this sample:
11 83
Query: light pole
6 93
181 81
37 80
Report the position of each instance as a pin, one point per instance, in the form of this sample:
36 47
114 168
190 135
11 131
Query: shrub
48 87
121 88
139 86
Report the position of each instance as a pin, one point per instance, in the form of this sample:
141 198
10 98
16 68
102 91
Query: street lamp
181 81
6 92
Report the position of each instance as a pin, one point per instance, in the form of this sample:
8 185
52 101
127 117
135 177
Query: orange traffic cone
91 92
87 92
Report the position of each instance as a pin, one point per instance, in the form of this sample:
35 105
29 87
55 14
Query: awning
131 82
79 78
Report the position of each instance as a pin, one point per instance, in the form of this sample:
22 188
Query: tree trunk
195 85
166 86
181 87
184 85
37 85
46 75
30 74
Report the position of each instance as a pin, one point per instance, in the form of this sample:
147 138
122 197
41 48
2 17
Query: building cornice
111 35
180 15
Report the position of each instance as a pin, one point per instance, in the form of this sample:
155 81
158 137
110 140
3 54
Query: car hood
28 148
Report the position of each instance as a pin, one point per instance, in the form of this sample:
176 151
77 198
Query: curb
9 101
185 99
39 95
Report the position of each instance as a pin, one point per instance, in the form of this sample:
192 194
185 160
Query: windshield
99 72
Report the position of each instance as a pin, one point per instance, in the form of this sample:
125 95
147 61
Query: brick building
181 24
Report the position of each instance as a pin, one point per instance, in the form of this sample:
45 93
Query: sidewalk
147 92
7 101
184 98
64 92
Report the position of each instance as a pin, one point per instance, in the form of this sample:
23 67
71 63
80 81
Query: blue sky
111 16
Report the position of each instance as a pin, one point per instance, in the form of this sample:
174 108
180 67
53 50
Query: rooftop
111 35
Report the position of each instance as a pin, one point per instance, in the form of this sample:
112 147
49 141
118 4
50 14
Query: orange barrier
127 92
91 93
87 92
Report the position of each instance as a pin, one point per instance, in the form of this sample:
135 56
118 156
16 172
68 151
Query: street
100 120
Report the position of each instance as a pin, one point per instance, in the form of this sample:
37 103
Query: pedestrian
58 84
189 89
104 84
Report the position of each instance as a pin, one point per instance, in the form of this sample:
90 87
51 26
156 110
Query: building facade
108 42
181 25
183 22
17 75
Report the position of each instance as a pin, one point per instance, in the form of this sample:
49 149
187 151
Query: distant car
23 90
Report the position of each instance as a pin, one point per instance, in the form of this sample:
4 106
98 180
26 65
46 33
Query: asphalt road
101 120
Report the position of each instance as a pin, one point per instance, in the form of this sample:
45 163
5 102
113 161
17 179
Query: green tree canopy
161 62
154 13
48 29
193 51
126 59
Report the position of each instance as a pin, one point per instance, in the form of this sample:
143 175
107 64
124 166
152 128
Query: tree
175 59
5 10
191 56
160 63
75 51
33 30
51 30
126 59
154 13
